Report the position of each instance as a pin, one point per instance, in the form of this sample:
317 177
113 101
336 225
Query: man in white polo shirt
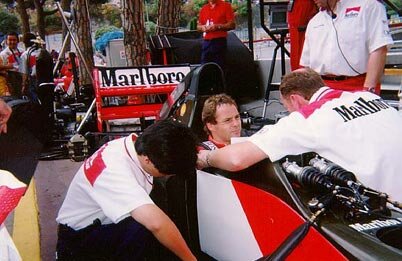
346 43
107 213
356 130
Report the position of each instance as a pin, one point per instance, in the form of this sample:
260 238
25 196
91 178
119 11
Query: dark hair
171 147
303 81
12 34
27 39
210 105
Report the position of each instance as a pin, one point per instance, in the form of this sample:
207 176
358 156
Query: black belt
340 77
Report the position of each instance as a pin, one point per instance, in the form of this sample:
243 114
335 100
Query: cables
334 16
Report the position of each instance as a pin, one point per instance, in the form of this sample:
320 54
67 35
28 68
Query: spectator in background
67 68
221 121
216 18
55 55
28 67
10 63
4 89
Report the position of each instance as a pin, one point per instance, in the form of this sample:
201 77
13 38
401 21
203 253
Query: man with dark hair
10 62
107 213
221 120
356 130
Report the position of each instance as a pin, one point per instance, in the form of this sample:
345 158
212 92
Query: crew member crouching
107 213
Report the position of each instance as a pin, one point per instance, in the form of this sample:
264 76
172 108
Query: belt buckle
338 78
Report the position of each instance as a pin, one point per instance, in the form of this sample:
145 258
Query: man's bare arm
375 67
232 158
160 225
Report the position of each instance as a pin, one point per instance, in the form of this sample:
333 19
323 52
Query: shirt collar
217 143
319 94
129 143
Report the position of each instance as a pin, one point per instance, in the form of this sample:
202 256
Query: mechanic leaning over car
107 213
221 121
356 130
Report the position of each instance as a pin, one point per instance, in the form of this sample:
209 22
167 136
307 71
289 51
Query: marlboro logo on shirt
352 11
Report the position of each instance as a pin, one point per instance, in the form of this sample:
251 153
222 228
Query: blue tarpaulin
100 44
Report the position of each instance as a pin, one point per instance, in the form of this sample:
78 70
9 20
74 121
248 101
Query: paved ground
52 180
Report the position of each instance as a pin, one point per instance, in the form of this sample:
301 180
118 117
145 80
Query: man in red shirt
216 18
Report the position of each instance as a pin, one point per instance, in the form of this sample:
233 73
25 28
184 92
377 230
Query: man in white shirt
107 213
356 130
10 61
346 43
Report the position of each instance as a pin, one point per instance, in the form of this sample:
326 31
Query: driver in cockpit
356 130
221 120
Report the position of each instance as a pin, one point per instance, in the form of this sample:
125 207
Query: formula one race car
301 207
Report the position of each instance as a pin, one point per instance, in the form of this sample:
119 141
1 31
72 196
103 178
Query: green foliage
105 29
8 22
240 8
193 24
190 11
198 4
391 12
112 14
151 10
150 28
106 14
7 2
53 23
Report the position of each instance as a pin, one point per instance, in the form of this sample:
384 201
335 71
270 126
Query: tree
168 16
41 13
134 32
53 24
65 5
83 33
8 22
22 11
112 14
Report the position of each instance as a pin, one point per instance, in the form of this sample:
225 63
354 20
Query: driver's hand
202 159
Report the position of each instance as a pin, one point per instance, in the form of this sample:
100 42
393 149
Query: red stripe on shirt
94 165
309 109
